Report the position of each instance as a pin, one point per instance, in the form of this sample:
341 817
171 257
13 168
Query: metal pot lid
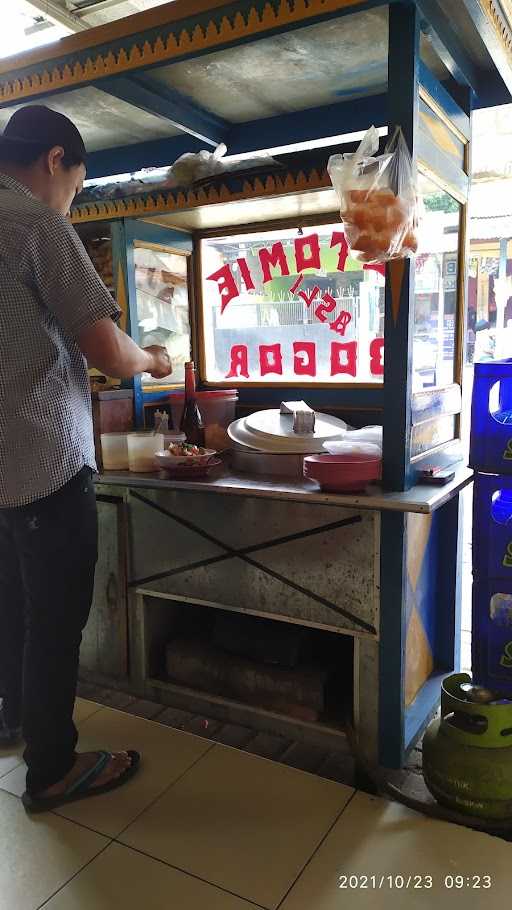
271 423
240 433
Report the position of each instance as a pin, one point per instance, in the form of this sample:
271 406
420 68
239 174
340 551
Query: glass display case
162 299
436 289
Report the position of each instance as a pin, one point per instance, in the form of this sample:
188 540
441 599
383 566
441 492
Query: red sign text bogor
344 355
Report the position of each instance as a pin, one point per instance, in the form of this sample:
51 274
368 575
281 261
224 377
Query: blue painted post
133 326
120 262
392 639
449 605
135 230
403 104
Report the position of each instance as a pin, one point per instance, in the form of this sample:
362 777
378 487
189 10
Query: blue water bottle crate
491 419
492 526
492 634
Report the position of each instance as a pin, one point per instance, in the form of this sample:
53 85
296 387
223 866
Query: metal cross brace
244 554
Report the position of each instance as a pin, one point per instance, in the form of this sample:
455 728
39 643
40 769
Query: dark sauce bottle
191 422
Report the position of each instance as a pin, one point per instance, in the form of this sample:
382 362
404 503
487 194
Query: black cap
38 126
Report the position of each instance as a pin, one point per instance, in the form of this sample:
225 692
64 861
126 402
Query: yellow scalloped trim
168 48
168 202
500 15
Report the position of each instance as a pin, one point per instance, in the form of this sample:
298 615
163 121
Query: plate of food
188 454
194 465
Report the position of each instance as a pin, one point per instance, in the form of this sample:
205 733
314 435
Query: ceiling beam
448 45
302 126
40 26
52 10
285 129
131 158
144 93
494 37
445 95
85 9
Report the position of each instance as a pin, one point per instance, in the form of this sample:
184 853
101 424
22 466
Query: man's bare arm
112 351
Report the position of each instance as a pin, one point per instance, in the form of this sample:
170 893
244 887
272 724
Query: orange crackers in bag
378 199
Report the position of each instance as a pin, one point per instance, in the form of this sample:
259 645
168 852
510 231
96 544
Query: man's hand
161 366
114 353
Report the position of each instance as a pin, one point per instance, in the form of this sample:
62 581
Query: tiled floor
206 827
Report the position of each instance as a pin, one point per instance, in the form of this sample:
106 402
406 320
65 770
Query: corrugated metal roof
491 210
107 12
491 228
491 198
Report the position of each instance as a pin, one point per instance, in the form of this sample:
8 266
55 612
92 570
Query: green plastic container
467 754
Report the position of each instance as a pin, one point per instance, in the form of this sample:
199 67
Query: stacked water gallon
491 459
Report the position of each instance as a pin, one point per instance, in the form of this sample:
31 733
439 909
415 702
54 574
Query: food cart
367 586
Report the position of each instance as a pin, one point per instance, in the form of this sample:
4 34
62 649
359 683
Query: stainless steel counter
422 499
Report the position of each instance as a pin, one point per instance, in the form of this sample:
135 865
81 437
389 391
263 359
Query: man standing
56 316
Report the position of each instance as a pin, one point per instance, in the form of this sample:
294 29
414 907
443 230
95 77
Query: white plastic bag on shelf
352 448
196 166
367 440
378 199
192 167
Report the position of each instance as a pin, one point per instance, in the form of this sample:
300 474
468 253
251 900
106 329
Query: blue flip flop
82 788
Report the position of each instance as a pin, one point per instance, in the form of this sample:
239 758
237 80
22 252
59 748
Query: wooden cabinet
104 648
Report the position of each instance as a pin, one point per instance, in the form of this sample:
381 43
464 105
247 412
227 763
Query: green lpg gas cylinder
467 754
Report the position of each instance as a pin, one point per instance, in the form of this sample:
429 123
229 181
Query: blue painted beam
448 45
303 126
495 46
420 713
300 126
443 97
430 154
144 93
493 94
130 158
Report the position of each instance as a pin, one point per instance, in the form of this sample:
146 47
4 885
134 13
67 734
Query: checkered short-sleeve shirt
49 293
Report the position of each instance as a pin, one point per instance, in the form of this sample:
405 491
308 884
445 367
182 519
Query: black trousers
48 554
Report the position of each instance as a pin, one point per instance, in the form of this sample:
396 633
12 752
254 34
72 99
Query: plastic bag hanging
378 199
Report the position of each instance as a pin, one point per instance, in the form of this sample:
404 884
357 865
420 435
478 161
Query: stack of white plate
265 442
367 441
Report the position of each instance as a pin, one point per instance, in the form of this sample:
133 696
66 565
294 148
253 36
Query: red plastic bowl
343 473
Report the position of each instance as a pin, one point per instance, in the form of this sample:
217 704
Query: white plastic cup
142 448
114 451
